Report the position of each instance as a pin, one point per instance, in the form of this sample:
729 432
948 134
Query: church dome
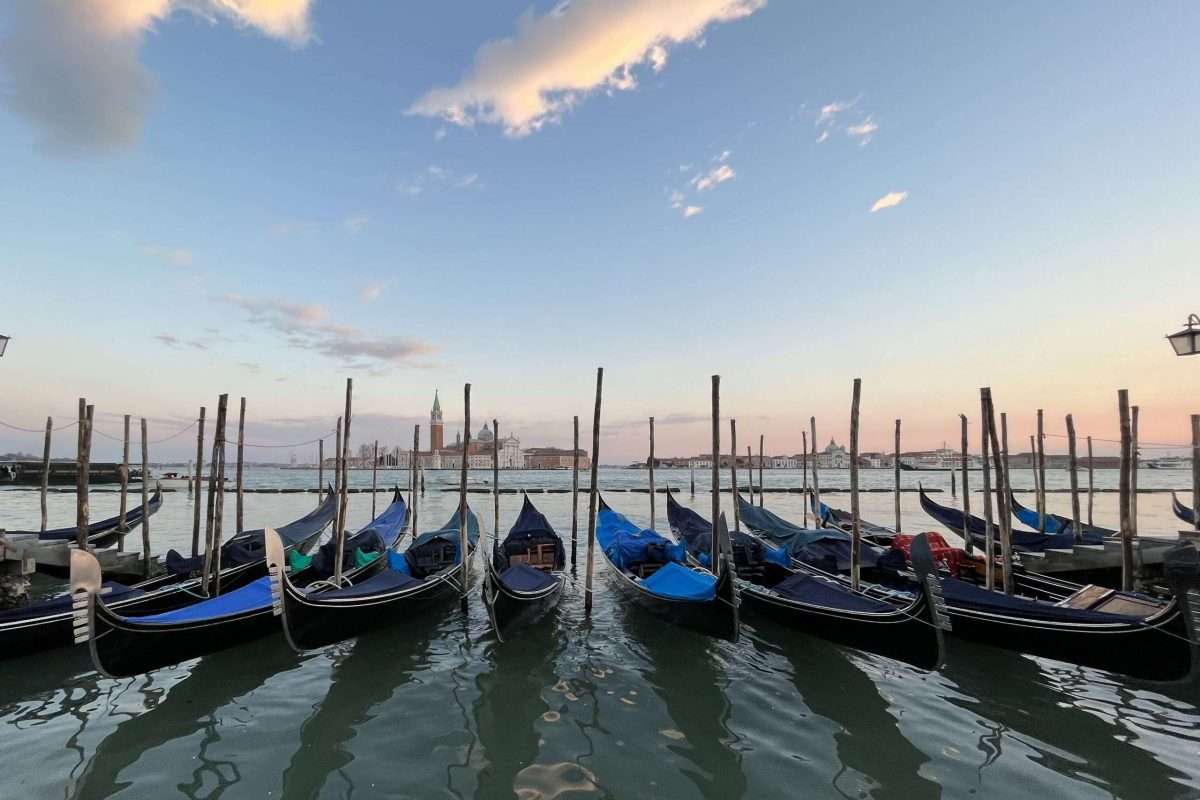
485 433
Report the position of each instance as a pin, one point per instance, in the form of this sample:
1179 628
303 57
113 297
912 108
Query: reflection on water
616 705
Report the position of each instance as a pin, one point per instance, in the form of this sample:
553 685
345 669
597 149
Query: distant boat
104 532
1168 462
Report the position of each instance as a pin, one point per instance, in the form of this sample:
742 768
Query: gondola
1056 523
654 574
103 533
1022 541
772 585
428 570
1121 632
1183 512
829 517
524 577
123 645
46 624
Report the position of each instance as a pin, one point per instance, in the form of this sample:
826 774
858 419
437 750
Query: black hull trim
508 610
717 617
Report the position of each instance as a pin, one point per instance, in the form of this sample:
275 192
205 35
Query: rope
37 430
295 444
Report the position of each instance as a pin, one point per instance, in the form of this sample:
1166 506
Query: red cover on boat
944 554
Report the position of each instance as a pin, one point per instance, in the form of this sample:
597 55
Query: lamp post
1186 342
4 343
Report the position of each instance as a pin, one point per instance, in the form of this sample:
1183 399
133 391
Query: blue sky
267 199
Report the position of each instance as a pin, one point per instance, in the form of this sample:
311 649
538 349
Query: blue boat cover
676 582
760 520
697 533
821 592
625 545
383 582
62 602
398 562
524 578
449 532
251 597
960 594
1183 512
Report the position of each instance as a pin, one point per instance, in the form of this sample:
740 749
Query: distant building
554 458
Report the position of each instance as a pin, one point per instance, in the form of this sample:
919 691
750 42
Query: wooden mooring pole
195 484
968 544
816 485
374 477
1004 498
463 544
1091 481
215 489
804 479
1073 466
46 468
1133 472
593 495
989 544
241 456
652 507
495 479
344 504
692 476
122 524
760 470
575 493
737 516
896 476
83 465
414 461
855 531
1125 482
750 473
714 553
1041 468
145 502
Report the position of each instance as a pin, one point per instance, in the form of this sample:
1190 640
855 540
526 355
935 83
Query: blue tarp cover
697 533
960 594
388 580
251 597
624 544
524 578
449 531
62 602
821 592
760 520
398 562
677 582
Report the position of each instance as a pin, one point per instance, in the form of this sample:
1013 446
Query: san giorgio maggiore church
479 452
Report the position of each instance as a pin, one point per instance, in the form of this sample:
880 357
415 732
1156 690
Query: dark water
615 705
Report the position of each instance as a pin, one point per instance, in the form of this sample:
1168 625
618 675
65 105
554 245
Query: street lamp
1186 342
3 344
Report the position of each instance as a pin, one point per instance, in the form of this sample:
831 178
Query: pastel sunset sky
263 197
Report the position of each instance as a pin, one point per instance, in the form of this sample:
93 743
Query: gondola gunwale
685 612
26 635
286 595
239 626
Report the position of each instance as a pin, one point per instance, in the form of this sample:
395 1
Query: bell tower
435 424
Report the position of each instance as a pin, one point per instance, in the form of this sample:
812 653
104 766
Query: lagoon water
612 705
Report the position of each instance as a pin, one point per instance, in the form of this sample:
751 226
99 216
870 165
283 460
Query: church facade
479 452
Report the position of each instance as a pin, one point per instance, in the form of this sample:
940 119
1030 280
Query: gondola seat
541 556
526 578
387 580
820 592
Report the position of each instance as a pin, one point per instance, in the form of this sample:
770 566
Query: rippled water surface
611 705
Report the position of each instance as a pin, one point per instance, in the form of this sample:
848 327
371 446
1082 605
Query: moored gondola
654 574
772 584
428 570
102 533
1091 535
1121 632
524 577
1183 512
46 624
123 645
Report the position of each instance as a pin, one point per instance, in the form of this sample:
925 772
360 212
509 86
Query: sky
265 197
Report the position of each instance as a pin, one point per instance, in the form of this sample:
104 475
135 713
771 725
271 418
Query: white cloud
175 256
691 211
829 111
356 223
863 130
889 200
372 293
555 60
715 177
440 133
435 175
306 326
823 136
72 66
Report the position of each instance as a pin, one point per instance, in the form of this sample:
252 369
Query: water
615 705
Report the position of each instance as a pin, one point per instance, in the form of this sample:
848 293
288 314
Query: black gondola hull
909 635
509 609
310 623
717 617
